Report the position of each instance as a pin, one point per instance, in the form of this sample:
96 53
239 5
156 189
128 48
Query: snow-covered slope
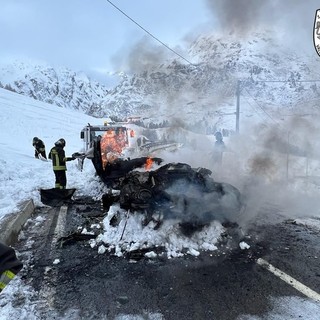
21 175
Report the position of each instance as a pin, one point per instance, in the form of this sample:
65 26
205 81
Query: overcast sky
93 36
85 34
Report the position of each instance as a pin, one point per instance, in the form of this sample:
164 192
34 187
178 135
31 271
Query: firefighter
39 148
10 265
58 157
219 148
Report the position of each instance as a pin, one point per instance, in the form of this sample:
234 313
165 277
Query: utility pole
238 106
287 172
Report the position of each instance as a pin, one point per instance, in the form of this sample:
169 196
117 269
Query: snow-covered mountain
269 76
271 80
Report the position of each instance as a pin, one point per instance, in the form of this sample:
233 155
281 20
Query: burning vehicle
113 151
123 139
150 195
173 190
116 149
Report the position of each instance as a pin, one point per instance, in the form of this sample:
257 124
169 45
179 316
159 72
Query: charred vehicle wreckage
177 191
171 191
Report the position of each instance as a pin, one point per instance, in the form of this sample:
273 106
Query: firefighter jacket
39 145
58 157
9 265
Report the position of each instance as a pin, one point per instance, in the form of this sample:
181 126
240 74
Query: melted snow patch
293 308
313 223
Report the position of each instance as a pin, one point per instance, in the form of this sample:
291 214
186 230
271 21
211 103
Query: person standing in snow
39 148
219 148
10 265
58 157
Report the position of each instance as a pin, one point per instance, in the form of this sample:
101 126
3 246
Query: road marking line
47 293
291 281
61 222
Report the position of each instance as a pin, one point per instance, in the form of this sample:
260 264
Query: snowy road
227 284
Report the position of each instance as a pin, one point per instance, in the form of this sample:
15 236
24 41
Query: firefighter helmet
61 142
218 135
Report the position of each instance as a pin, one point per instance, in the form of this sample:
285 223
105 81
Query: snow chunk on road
126 232
151 254
243 245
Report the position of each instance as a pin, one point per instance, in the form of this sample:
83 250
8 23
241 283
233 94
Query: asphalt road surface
221 285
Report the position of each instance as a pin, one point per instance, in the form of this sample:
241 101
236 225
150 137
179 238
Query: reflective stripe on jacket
5 278
10 265
58 157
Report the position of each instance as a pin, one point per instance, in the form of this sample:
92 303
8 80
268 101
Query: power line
254 108
263 81
149 33
261 107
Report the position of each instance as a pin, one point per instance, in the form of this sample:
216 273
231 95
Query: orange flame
148 164
112 146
